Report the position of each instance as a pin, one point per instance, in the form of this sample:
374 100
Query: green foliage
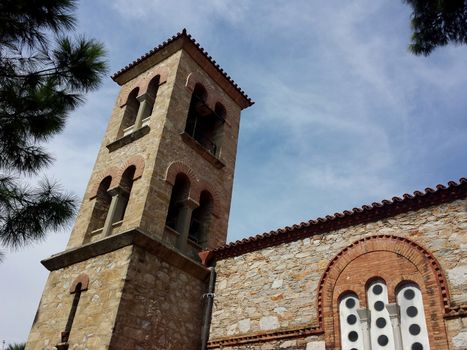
43 76
15 346
437 23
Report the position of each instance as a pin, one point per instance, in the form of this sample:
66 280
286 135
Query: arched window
350 324
180 192
381 332
200 220
102 205
130 113
151 94
125 187
78 286
204 124
412 317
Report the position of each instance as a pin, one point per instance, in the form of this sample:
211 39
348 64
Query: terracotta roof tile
180 35
375 211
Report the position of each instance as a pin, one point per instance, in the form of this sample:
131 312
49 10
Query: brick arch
143 84
206 186
123 99
178 167
212 97
359 262
162 72
113 172
83 279
137 161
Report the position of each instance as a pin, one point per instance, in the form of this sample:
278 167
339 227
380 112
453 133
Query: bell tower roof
184 41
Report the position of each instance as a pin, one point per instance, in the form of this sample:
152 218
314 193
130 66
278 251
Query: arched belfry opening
130 112
204 124
180 192
200 220
101 205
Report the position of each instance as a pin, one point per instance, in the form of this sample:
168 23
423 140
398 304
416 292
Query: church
147 265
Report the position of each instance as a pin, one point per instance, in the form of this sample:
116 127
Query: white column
364 315
115 193
393 310
184 220
143 102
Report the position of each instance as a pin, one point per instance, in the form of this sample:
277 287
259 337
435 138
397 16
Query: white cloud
344 115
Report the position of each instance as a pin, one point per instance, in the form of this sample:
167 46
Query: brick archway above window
143 84
393 259
178 167
162 72
138 162
206 186
116 173
212 97
82 279
113 172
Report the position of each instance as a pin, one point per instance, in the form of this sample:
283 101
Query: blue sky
344 114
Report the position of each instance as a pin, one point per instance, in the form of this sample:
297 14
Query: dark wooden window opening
203 124
200 220
180 193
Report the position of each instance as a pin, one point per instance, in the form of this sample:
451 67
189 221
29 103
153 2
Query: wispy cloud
344 115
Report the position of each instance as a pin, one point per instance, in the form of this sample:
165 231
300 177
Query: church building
147 266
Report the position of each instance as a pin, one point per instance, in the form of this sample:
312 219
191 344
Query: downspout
209 296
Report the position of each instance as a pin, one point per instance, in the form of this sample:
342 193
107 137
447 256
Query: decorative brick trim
201 57
162 72
83 279
212 97
459 311
143 84
113 172
123 99
191 80
375 212
178 167
206 186
430 278
298 332
138 162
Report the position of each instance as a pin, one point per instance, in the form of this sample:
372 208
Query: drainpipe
208 308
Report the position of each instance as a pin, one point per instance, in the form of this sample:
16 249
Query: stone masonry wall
174 149
161 307
146 146
276 288
97 308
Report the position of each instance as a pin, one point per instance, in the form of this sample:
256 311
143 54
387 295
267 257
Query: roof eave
184 41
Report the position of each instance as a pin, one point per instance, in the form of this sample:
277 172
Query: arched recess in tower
130 112
203 124
200 220
180 192
101 206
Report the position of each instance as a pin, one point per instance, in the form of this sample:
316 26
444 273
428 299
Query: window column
115 205
393 310
365 319
183 221
143 105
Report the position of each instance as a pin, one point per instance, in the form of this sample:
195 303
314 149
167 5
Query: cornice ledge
132 237
127 139
296 332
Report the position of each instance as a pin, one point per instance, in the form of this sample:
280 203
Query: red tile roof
367 213
184 35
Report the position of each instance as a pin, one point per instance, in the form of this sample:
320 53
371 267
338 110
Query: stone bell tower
159 193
